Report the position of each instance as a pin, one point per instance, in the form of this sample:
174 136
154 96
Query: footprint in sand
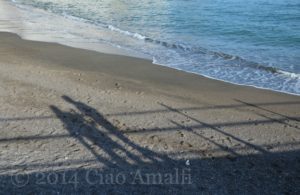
166 147
140 93
158 142
117 85
182 143
181 134
154 139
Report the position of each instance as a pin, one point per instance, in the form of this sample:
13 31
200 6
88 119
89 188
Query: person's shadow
104 140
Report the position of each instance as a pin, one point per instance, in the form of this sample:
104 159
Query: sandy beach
71 117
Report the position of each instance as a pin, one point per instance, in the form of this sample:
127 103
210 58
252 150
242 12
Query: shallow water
253 43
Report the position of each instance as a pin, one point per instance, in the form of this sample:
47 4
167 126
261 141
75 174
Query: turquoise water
253 42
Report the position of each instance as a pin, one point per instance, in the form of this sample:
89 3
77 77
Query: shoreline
13 23
116 52
66 110
110 48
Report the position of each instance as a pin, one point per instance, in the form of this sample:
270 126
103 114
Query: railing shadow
258 106
128 168
284 119
214 128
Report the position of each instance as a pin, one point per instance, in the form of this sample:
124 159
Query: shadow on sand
128 168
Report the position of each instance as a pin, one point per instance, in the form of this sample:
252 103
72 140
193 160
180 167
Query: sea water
255 43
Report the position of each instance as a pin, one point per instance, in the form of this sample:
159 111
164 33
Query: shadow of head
68 99
56 110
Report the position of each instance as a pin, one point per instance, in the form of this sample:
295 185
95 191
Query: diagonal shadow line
258 106
240 148
180 109
226 149
74 162
26 118
143 130
47 165
32 138
216 129
62 164
202 108
202 126
278 121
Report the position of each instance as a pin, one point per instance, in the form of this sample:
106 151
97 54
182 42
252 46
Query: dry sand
68 113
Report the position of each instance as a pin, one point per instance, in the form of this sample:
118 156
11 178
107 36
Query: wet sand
67 111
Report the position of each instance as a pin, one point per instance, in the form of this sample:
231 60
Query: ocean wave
135 35
200 50
289 74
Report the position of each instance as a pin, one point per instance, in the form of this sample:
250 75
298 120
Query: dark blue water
253 42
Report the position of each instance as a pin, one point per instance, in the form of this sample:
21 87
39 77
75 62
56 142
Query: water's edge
149 60
108 47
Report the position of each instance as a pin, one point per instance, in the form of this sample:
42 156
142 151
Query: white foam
290 74
135 35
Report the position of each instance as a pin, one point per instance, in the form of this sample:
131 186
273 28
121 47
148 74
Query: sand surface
68 113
